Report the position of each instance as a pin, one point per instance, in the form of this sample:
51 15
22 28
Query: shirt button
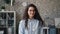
33 29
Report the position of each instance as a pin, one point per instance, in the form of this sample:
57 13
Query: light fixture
24 4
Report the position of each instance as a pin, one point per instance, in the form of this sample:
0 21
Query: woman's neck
31 18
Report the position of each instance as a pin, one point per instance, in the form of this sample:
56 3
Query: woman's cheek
29 13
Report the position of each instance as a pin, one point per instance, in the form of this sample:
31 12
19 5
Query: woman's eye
30 10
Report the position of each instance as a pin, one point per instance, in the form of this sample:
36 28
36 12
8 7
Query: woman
31 22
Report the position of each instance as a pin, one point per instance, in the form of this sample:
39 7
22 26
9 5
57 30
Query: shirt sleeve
21 27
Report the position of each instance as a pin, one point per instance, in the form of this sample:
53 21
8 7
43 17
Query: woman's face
31 12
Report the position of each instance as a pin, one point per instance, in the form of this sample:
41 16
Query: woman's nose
32 11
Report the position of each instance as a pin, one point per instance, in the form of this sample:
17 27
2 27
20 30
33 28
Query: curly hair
36 16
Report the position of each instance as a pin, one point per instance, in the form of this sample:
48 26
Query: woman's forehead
32 8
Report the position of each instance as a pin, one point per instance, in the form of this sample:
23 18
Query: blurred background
49 10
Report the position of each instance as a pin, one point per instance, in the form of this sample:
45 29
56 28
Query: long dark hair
36 16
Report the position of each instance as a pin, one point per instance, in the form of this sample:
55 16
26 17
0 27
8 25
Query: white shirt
32 27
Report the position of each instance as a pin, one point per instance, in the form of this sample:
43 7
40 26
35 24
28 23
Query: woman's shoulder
22 21
36 20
